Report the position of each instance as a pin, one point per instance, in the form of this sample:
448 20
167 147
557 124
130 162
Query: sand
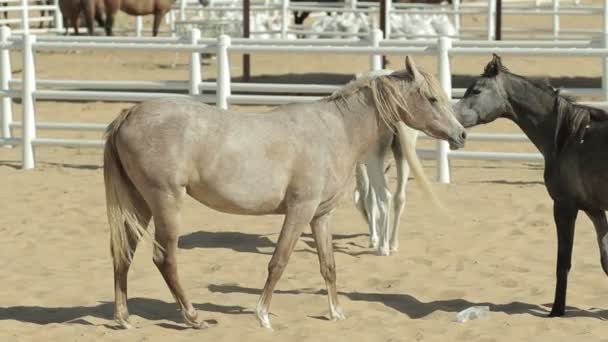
496 247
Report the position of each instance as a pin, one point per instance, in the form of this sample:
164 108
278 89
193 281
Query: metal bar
504 156
65 126
67 142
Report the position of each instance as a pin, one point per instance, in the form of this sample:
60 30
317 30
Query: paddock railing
221 91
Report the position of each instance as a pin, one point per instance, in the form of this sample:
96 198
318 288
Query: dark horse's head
486 99
500 93
204 3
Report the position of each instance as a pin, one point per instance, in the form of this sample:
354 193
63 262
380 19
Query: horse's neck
362 125
536 118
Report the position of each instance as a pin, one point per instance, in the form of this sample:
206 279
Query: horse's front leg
565 218
325 251
297 217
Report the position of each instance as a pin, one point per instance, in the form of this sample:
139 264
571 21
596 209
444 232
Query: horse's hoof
264 319
556 313
123 322
337 315
193 321
383 251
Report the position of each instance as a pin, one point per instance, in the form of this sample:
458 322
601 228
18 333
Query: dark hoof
556 313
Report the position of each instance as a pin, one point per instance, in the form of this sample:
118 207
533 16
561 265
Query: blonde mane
388 93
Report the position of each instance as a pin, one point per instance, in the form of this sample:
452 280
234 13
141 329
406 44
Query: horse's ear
494 67
411 68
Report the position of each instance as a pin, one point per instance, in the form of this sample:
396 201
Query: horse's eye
433 99
472 92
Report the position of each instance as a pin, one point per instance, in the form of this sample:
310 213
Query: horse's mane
572 119
388 93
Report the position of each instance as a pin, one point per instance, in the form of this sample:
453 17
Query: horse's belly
137 7
239 198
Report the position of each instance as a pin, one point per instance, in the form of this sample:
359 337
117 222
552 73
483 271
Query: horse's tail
127 223
408 146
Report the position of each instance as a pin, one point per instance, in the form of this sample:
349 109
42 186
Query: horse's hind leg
598 217
121 269
325 251
565 218
297 217
165 211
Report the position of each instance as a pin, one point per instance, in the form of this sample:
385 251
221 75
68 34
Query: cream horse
296 160
372 196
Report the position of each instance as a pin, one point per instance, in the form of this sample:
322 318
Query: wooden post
246 33
383 25
498 27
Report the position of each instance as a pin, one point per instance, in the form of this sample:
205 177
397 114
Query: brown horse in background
74 10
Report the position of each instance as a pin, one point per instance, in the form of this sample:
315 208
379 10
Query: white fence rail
27 90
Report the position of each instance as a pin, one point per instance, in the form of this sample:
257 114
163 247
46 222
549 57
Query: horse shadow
254 243
149 309
156 310
417 309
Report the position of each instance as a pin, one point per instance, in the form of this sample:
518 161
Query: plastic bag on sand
472 313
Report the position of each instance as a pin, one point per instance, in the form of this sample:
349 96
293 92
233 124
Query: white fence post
555 19
28 85
375 61
25 19
58 17
195 63
5 77
182 9
491 19
456 8
285 18
223 71
139 23
445 77
605 59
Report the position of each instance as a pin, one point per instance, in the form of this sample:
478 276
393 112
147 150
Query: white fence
27 90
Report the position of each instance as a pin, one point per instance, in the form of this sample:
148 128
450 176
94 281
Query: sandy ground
497 246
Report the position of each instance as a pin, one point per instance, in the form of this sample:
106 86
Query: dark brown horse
75 10
573 141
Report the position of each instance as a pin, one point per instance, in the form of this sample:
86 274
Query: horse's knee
329 272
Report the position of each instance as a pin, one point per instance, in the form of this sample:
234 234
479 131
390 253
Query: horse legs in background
89 13
405 135
158 17
365 202
380 200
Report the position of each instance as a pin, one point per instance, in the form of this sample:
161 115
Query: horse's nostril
463 135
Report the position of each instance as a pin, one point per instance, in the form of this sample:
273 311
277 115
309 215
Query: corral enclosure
496 247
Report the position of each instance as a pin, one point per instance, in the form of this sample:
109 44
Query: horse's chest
566 181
